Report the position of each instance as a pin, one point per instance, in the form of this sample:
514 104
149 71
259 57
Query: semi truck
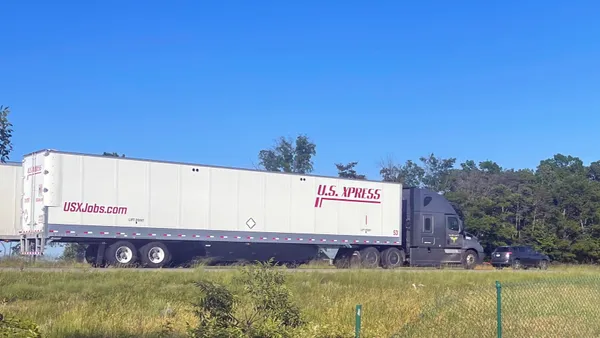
147 213
11 180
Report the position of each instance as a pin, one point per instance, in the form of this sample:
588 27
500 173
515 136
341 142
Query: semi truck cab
434 234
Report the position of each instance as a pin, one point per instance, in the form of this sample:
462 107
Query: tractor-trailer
11 180
134 212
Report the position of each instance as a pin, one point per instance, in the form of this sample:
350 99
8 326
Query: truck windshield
502 249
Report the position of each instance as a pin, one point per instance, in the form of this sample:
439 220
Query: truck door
454 240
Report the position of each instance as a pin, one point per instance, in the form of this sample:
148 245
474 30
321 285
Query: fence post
499 308
358 318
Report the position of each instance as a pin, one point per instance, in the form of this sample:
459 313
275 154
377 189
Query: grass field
560 302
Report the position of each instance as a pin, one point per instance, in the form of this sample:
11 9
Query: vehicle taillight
509 253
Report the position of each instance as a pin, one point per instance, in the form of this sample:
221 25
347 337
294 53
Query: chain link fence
543 307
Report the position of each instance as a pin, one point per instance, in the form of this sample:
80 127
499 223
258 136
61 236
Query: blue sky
216 81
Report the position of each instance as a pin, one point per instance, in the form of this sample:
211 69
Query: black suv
519 257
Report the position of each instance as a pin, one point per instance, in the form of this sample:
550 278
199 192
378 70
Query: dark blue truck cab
434 234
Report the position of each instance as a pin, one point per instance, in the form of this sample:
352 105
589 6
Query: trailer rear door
33 193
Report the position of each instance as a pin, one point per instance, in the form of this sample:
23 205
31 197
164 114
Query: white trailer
131 210
11 180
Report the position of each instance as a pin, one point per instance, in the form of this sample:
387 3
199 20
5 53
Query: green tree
74 252
287 156
410 174
437 172
348 171
6 131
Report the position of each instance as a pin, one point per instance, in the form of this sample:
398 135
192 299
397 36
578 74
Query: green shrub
17 328
261 307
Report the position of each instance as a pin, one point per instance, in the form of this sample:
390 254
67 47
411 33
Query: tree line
554 208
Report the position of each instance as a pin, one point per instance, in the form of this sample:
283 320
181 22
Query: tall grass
117 303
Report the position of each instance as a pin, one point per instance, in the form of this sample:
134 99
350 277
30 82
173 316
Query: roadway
212 269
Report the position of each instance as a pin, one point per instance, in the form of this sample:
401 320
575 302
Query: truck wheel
469 260
392 258
121 254
91 252
543 265
155 255
370 257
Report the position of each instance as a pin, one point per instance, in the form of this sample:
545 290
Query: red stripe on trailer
166 235
104 233
180 235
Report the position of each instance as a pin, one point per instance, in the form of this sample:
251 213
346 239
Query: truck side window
453 224
428 224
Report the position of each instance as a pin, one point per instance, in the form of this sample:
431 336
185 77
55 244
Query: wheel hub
394 258
156 255
123 255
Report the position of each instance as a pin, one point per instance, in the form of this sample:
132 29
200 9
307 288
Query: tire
121 254
392 258
370 258
155 255
469 259
543 265
517 264
91 253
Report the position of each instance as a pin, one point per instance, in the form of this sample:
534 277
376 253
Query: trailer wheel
121 254
155 255
370 257
91 252
392 258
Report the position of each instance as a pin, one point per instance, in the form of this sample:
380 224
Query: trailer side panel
11 189
85 192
